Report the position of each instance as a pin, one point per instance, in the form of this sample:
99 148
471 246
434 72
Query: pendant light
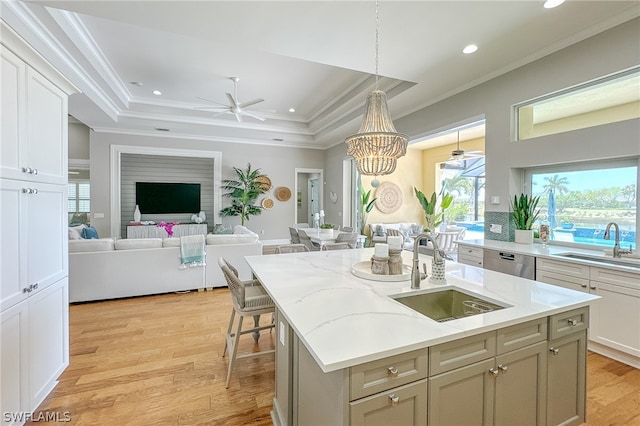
377 146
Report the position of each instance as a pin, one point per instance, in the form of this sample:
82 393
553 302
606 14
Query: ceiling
317 57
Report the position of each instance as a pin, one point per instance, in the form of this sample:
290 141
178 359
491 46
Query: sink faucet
416 275
617 251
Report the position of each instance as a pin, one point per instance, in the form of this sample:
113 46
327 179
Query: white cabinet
33 242
34 124
614 328
34 348
470 255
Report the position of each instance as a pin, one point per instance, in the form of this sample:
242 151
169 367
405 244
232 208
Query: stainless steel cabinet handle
503 368
34 171
554 351
393 371
394 400
572 322
593 287
27 170
494 371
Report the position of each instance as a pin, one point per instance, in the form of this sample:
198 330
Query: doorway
309 194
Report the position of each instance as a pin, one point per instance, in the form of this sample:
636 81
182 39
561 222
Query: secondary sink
447 304
598 259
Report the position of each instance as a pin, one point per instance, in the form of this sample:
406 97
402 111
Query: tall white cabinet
34 295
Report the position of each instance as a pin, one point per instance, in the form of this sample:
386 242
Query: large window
579 201
79 197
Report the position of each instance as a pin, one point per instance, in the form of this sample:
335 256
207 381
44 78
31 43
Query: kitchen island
345 347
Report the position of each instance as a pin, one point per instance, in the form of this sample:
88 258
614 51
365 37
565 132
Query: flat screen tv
162 198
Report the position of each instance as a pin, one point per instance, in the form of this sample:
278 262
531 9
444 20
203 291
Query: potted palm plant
524 210
366 205
433 208
243 193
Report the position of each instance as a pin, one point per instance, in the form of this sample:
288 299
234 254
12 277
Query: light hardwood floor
157 361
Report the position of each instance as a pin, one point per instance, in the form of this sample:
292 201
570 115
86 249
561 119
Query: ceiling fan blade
252 115
232 102
212 108
238 117
249 103
220 113
213 102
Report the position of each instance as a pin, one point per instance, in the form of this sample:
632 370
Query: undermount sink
598 259
447 304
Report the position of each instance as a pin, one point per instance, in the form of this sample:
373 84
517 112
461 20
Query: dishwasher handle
507 256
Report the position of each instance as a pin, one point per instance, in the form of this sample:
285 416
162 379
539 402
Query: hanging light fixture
377 146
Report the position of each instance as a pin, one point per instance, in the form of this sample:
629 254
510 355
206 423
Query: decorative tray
363 270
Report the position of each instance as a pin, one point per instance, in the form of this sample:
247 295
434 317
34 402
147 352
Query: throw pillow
380 232
89 233
75 232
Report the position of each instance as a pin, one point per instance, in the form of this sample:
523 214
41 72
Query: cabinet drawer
521 335
568 322
562 280
406 405
450 355
467 260
575 270
611 276
468 251
377 376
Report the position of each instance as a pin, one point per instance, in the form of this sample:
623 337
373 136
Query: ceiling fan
459 154
236 108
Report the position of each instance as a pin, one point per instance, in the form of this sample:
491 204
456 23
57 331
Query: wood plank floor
157 361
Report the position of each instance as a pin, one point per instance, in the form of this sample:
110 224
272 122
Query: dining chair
302 225
350 238
249 299
293 233
291 248
336 246
304 239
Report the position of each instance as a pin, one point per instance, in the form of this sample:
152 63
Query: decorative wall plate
389 197
265 181
283 193
267 203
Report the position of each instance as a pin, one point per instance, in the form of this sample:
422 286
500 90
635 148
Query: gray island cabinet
348 354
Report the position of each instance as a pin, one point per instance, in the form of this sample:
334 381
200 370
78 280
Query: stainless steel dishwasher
516 264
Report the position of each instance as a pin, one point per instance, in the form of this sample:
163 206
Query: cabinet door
614 318
464 396
46 130
46 234
566 380
48 339
12 73
404 405
14 395
520 397
13 220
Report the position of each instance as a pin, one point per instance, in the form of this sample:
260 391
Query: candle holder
395 262
380 265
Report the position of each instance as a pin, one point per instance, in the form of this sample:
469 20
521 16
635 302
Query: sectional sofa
107 268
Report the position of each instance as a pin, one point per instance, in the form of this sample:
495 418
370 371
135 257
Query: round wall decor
264 182
267 203
283 193
389 197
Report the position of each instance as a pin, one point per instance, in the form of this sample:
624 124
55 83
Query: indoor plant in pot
326 228
433 208
524 210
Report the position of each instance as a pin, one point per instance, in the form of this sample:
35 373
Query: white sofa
378 231
107 269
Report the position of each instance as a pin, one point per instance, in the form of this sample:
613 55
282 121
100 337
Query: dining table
322 236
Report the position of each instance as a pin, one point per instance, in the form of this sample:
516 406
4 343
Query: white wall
276 162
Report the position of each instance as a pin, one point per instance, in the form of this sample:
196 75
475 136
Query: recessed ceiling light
470 49
292 110
137 83
157 92
550 4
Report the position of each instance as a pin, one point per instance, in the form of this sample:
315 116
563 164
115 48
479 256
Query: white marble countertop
554 251
344 320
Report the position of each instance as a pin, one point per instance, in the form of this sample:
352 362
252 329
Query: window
579 201
606 100
79 197
464 179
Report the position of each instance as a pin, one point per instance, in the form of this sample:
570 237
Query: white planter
524 236
326 230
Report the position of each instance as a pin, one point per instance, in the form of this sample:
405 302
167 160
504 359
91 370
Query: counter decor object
136 214
437 272
524 210
395 261
379 265
544 235
524 236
